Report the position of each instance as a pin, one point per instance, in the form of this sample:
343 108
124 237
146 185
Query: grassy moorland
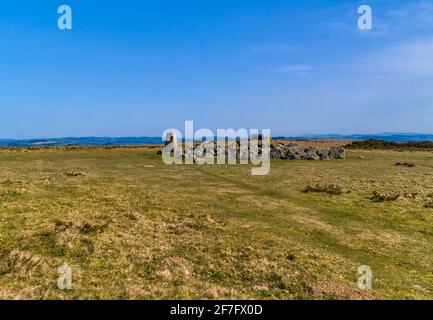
134 228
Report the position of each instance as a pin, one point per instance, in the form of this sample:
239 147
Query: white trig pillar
171 137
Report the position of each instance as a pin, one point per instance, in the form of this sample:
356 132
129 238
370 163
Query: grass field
134 228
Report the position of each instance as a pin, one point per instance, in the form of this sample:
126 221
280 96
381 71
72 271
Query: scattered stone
134 215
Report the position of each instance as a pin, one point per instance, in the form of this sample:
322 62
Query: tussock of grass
406 164
384 196
10 193
411 195
86 228
22 262
429 205
72 174
133 215
331 189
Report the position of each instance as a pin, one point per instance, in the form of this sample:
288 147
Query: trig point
171 137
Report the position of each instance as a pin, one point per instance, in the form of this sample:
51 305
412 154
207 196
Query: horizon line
306 135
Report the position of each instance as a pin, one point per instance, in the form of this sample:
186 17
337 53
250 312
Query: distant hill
108 141
391 137
85 141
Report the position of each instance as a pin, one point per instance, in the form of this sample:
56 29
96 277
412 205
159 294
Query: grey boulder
337 153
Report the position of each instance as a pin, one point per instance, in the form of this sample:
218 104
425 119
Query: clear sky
136 68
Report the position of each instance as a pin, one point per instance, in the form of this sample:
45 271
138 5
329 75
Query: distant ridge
109 141
84 141
391 137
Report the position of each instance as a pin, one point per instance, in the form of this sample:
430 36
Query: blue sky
136 68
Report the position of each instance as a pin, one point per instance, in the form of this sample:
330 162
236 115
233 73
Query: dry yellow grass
134 228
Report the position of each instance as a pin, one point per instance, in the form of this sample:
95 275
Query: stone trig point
171 137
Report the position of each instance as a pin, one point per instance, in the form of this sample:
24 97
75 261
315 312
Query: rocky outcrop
291 151
294 152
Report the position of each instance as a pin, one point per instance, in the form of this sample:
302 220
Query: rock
323 154
292 156
220 150
337 153
278 152
291 151
243 155
232 152
293 148
188 153
311 154
302 154
275 154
